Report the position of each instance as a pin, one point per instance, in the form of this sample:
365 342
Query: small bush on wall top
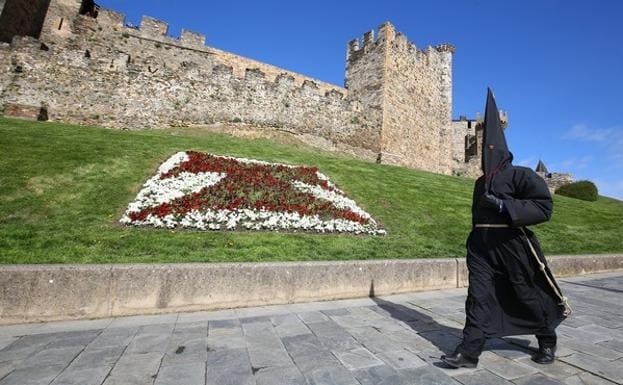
584 190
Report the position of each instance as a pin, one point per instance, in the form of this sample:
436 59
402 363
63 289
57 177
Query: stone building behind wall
554 180
71 61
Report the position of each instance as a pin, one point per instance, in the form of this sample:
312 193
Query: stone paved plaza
390 340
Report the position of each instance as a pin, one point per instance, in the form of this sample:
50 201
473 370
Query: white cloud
609 141
575 163
585 133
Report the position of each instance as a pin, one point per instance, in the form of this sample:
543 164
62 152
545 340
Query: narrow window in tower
60 24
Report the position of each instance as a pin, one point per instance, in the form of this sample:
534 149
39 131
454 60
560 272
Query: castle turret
408 93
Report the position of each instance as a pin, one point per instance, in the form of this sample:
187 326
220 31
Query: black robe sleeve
531 202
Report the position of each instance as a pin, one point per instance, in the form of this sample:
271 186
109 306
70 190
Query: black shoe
545 356
459 360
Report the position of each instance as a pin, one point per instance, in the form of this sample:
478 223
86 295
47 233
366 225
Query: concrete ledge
33 293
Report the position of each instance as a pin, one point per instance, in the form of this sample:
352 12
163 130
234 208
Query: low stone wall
33 293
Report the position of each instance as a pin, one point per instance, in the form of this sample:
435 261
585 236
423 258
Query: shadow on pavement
444 337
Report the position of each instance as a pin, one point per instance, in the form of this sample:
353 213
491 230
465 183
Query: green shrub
584 190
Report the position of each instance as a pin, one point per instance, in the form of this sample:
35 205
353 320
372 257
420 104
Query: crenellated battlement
388 37
151 27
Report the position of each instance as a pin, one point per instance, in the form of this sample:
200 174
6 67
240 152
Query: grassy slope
63 188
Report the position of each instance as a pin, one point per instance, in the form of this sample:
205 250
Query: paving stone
351 322
36 375
146 343
312 316
327 329
200 328
339 342
6 341
558 369
224 328
586 379
304 345
358 358
73 339
289 325
117 337
330 376
7 367
613 371
229 367
186 349
166 328
267 350
25 346
428 375
597 350
226 342
537 379
609 333
284 318
381 375
507 350
614 344
292 329
503 367
605 320
409 340
317 362
135 369
582 335
481 377
334 312
182 374
289 375
257 328
92 376
442 339
52 357
20 330
373 340
401 359
91 359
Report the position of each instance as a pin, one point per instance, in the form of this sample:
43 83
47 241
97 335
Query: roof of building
541 167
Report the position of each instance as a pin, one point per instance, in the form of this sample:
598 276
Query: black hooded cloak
511 289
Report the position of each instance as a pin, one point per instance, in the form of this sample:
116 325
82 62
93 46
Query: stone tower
408 94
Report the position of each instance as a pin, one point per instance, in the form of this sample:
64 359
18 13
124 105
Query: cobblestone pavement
390 340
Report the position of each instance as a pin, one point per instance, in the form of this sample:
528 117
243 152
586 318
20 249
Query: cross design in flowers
254 186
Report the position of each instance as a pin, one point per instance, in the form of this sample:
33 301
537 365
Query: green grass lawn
63 189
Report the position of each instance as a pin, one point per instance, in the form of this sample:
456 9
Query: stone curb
32 293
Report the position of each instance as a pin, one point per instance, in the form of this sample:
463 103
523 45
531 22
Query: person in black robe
511 289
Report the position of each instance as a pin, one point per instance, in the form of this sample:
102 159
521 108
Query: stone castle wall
396 101
103 73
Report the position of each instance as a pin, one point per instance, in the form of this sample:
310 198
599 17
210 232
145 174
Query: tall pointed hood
495 153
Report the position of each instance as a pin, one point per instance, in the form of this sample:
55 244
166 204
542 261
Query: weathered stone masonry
82 64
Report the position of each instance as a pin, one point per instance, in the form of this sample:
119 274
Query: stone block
182 374
358 358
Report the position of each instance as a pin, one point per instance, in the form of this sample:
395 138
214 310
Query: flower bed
209 192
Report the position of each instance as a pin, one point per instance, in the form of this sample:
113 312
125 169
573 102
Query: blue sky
556 66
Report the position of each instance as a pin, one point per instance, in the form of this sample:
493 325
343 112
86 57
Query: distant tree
584 190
